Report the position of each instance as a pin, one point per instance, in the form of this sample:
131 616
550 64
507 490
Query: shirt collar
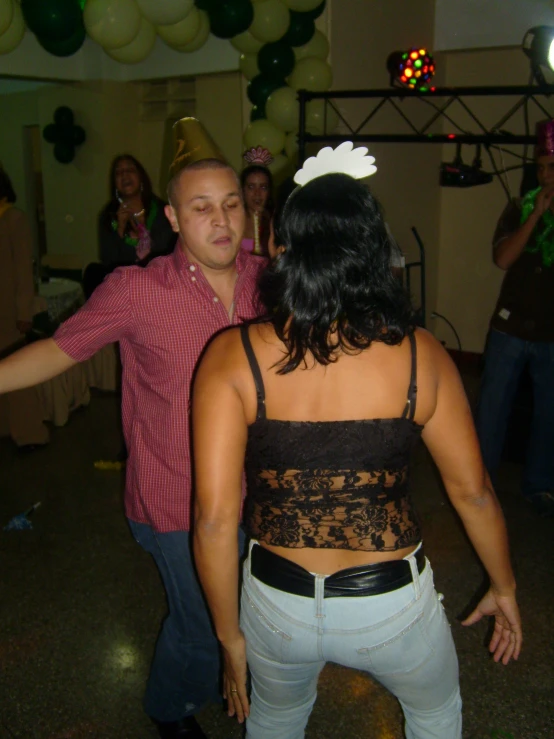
182 262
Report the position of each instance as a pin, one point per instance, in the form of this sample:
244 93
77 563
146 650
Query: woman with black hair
257 189
132 226
324 402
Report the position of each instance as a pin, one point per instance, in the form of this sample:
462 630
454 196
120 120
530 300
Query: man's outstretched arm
32 365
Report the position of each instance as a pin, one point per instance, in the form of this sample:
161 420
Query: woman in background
257 188
323 403
17 291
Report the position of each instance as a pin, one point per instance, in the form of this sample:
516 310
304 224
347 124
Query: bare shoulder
224 355
431 350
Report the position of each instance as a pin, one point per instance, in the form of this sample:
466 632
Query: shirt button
192 268
193 279
216 300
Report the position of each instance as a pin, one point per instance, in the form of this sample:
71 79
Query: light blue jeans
402 639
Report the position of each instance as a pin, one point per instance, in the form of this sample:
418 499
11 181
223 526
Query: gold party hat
192 143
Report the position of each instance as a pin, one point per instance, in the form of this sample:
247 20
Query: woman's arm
451 439
219 434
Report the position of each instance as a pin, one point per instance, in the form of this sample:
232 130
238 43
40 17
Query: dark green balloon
230 17
316 12
257 113
67 47
52 20
50 133
63 116
64 152
205 4
260 88
276 59
301 29
78 135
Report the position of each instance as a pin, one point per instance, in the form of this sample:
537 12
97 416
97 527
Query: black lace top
331 484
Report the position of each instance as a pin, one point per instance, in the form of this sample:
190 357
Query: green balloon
257 112
316 12
230 17
260 88
205 4
301 29
78 135
67 47
50 133
63 116
276 59
64 152
52 20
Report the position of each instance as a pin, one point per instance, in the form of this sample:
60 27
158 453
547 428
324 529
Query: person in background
17 292
257 187
163 315
522 330
132 226
324 402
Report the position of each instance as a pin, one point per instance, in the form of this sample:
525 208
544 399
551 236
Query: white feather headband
344 158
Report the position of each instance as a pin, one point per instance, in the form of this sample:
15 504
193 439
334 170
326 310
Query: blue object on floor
21 522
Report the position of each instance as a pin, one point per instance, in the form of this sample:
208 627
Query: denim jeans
401 638
505 359
185 671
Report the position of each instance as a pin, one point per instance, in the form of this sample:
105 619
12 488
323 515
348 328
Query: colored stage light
414 68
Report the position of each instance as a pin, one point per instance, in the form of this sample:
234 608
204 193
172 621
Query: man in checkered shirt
163 316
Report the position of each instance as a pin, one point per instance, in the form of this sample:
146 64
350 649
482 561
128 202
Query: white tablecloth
63 297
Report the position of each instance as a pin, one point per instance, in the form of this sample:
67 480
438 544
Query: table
63 298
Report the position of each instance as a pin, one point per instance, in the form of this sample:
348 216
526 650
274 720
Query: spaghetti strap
410 408
255 368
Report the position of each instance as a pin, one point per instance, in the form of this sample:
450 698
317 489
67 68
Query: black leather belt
374 579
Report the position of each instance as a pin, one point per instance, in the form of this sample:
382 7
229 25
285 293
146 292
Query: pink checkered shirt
162 315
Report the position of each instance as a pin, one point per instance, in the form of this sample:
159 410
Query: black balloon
228 18
67 47
260 88
316 12
63 116
78 135
50 133
54 20
276 59
64 152
257 113
301 29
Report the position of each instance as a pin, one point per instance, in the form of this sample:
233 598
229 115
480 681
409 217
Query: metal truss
440 100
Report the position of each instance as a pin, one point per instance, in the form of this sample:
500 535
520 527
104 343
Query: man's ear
169 211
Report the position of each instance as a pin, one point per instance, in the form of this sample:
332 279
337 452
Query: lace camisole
331 484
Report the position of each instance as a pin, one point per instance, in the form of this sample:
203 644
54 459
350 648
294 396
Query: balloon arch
281 50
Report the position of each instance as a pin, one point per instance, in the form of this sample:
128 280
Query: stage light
538 45
458 174
413 68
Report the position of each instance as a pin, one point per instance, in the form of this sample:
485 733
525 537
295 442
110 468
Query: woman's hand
543 200
234 678
507 636
124 217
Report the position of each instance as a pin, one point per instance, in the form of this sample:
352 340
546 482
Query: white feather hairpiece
344 158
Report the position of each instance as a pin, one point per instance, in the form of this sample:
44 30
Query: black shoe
186 728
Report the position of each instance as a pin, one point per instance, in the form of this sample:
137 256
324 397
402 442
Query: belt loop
415 574
319 587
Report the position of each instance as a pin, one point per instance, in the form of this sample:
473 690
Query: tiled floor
80 605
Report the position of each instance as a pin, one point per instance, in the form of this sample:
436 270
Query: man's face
208 213
545 171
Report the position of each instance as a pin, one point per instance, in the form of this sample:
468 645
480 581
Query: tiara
344 158
258 155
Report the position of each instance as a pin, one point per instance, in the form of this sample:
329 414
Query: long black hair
6 187
332 288
109 212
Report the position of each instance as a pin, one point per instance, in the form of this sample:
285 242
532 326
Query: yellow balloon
317 46
112 23
246 43
248 64
179 34
271 20
311 74
6 14
281 168
282 109
164 12
263 133
291 146
302 6
201 36
13 35
320 117
139 48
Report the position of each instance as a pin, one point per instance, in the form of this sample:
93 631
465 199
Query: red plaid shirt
162 315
